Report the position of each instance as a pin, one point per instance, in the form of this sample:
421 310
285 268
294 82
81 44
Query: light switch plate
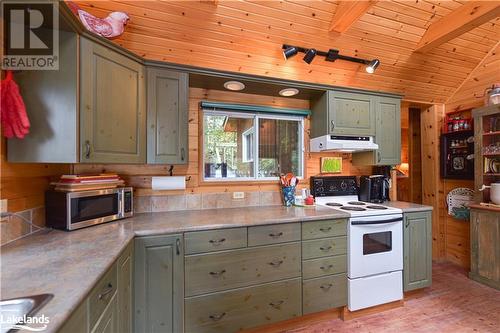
238 195
3 206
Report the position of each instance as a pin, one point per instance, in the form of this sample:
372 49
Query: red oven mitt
14 119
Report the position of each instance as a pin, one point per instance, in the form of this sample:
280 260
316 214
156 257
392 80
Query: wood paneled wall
246 36
140 175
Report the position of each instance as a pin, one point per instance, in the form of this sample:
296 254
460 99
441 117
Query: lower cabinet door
124 289
108 322
238 309
158 284
324 293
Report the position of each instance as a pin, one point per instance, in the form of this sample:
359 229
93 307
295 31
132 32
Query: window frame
255 116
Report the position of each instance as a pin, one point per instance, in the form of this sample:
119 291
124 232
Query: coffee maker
374 188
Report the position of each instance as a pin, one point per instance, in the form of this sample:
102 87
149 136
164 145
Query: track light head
372 66
310 54
289 51
332 55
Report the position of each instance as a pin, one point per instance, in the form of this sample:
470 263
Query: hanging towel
14 119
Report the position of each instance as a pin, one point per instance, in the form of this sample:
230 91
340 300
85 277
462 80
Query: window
251 146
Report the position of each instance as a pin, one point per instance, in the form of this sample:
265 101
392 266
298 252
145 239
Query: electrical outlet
238 195
3 206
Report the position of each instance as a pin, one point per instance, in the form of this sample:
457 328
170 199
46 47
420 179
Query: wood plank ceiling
246 36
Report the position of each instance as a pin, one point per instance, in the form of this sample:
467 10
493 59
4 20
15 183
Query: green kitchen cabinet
108 322
124 289
387 135
112 106
343 113
417 250
167 104
158 284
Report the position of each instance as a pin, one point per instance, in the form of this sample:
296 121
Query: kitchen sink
13 310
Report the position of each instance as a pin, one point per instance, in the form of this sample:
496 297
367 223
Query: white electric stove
375 242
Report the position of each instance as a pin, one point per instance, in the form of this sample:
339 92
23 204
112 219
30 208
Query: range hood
347 144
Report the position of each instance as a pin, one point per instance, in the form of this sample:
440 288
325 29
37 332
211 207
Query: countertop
69 264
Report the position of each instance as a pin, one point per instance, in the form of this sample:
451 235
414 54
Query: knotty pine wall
140 175
468 95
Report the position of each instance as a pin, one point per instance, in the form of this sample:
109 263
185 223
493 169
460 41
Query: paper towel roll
168 183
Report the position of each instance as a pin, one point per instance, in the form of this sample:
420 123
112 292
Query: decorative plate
458 201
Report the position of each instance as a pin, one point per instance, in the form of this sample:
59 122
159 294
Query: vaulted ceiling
246 36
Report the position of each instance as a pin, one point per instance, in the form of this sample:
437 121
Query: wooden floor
453 304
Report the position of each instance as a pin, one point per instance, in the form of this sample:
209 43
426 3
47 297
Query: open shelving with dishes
487 150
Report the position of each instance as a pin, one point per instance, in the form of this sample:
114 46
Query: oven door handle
397 219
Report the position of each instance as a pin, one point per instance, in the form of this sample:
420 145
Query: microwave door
93 208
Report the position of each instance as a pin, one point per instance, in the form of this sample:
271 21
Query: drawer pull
325 229
217 317
217 274
217 242
276 305
325 268
328 248
276 263
106 291
326 286
279 234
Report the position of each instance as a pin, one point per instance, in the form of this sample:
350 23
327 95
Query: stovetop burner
358 209
334 204
356 203
376 207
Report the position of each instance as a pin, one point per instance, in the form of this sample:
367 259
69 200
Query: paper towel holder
171 173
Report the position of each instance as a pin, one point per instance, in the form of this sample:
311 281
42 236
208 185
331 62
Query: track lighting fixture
331 55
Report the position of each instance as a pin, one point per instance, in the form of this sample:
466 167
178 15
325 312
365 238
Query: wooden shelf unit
486 127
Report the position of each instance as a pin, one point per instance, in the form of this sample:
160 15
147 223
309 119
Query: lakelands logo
31 35
10 321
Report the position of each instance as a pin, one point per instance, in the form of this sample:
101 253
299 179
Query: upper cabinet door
388 133
112 107
167 116
351 113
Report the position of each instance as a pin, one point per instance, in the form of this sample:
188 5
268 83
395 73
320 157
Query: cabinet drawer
101 295
323 229
324 293
273 234
240 268
231 311
215 240
324 247
324 266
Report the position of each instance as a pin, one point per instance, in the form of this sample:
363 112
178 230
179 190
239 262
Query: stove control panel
333 185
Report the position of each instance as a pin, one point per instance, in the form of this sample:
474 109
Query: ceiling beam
458 22
347 13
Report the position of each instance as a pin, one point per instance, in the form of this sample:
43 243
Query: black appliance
374 188
457 155
333 185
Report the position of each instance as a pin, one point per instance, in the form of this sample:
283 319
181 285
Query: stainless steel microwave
75 210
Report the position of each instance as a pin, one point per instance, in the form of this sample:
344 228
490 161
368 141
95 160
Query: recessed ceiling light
234 85
287 92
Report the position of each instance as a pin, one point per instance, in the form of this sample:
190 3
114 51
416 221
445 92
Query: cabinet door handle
325 268
277 304
217 242
182 154
87 149
217 274
407 223
276 263
279 234
325 229
328 248
178 246
105 291
332 125
326 286
217 317
379 158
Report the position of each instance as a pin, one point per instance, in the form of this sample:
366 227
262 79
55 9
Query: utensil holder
288 195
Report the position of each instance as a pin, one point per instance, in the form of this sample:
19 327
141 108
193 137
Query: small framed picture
331 165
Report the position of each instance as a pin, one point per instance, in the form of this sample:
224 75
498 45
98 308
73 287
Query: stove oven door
375 245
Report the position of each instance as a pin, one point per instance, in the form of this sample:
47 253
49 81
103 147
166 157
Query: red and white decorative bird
109 27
